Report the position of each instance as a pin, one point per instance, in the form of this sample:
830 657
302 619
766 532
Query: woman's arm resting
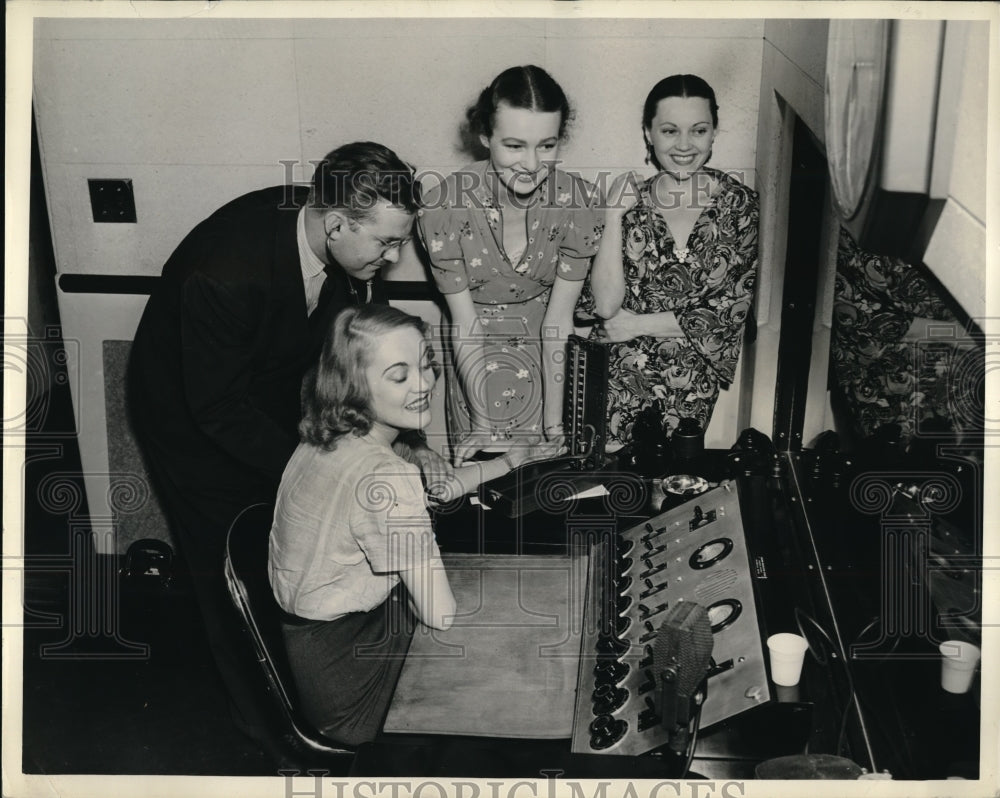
466 479
626 325
430 593
607 276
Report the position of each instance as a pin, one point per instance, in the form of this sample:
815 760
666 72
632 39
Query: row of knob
609 672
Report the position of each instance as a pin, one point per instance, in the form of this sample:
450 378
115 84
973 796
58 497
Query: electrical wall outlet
112 200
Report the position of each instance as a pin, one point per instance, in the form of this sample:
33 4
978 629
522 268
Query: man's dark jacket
218 359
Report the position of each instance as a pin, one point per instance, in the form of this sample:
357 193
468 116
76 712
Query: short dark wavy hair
336 399
354 177
529 87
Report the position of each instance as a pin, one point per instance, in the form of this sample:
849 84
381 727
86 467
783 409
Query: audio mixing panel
696 552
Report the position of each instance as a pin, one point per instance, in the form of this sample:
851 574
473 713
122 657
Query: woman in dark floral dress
675 295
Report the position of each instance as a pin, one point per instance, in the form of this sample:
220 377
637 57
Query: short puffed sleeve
395 532
438 224
582 232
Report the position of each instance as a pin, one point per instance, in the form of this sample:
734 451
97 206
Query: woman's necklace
679 198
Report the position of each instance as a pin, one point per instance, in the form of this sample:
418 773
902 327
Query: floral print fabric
885 379
461 227
708 282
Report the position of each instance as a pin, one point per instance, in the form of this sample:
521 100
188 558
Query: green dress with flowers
708 284
461 228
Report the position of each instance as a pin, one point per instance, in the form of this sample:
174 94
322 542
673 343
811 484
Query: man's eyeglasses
396 243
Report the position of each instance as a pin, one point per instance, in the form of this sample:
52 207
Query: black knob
607 699
623 546
605 731
606 644
623 603
610 672
623 583
622 623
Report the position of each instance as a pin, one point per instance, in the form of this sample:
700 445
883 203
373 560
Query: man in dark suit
217 362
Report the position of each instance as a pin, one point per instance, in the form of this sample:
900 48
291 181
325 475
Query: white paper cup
787 653
958 665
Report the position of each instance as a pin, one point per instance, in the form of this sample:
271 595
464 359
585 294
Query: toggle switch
754 693
650 632
649 716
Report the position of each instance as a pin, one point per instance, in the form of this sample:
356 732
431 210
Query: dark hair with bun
529 87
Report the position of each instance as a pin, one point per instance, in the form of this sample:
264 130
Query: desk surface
508 665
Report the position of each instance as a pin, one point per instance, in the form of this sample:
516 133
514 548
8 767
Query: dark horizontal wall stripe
106 284
411 289
131 284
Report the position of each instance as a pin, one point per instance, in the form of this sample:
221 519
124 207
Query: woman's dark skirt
346 670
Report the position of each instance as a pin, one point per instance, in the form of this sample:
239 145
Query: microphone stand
698 699
682 718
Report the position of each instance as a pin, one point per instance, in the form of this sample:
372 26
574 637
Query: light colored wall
957 249
910 105
198 111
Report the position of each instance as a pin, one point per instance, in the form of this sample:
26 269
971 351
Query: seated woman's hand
433 467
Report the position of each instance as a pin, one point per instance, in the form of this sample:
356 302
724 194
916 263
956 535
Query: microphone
682 654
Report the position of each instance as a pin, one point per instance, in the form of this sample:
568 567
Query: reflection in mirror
905 371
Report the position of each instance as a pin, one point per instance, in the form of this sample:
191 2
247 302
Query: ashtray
684 485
